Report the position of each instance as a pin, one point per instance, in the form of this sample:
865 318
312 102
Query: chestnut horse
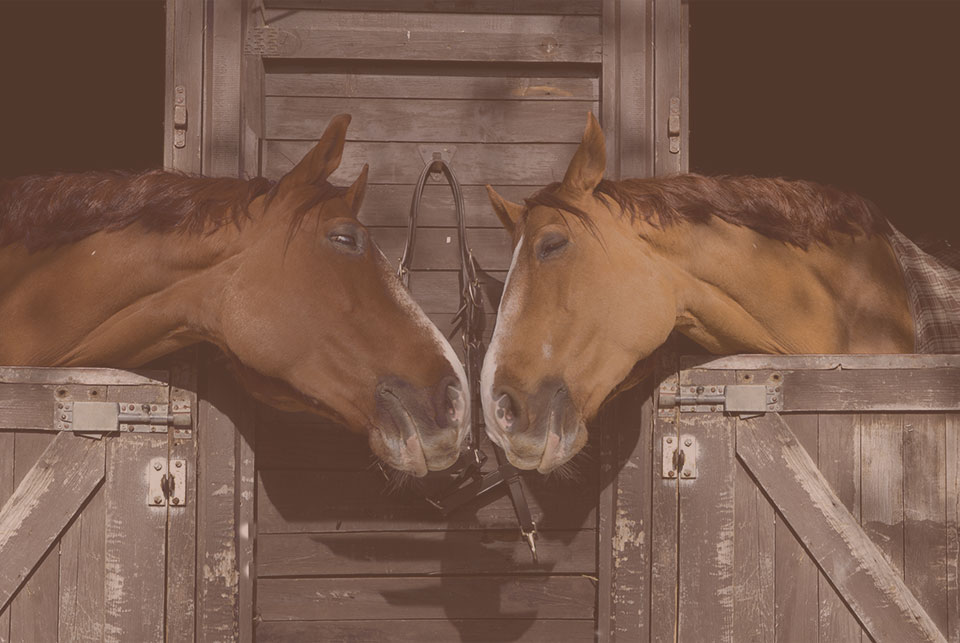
604 271
113 269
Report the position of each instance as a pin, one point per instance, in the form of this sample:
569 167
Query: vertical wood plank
182 521
609 75
754 555
606 522
252 96
839 462
670 51
664 539
217 582
7 439
222 126
924 503
34 610
797 578
953 526
881 480
707 521
635 147
185 44
247 522
82 574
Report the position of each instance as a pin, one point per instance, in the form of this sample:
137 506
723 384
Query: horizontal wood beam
44 503
880 390
855 566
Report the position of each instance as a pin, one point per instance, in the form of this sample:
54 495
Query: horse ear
586 169
508 212
354 195
323 159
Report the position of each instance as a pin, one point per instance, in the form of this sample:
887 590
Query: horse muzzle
541 433
419 430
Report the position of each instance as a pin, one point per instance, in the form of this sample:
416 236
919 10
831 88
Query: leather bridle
470 481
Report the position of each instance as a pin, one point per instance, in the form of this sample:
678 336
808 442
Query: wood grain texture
664 527
587 7
82 571
430 121
56 476
439 248
373 85
854 564
33 611
839 461
902 389
400 163
223 47
952 435
819 362
485 551
754 567
7 485
424 597
529 630
398 36
797 577
26 406
671 28
362 502
707 522
184 69
881 483
389 205
924 507
92 376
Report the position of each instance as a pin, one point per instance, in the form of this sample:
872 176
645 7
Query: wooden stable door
806 498
97 506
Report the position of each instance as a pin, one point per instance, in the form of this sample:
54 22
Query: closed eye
551 245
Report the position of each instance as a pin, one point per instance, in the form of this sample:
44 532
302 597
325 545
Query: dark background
860 94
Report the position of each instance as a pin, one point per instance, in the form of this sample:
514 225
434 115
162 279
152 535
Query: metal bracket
679 459
167 486
430 154
737 399
673 125
108 417
180 117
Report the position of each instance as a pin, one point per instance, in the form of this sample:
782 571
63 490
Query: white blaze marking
547 350
509 307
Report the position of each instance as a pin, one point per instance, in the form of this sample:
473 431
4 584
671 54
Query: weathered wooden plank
818 362
26 406
546 597
425 121
610 75
435 553
184 69
33 611
924 507
135 538
438 292
439 248
362 502
797 578
881 483
839 461
182 521
635 89
671 31
854 564
566 7
217 573
953 525
47 497
754 567
401 163
247 523
82 573
223 47
359 85
92 376
389 205
664 519
707 520
7 485
922 389
399 36
529 630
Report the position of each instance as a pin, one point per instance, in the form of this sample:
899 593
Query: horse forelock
50 210
793 211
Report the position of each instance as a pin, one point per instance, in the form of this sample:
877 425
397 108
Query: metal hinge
673 126
167 484
179 117
108 417
738 399
679 457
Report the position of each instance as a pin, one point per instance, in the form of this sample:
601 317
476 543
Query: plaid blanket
933 292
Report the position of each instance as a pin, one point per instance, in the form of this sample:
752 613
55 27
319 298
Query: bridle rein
470 481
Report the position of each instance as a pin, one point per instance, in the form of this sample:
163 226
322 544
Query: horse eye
342 239
550 245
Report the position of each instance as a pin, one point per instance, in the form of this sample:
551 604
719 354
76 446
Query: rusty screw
176 500
60 405
669 440
686 474
157 500
688 442
157 466
179 464
153 407
671 474
130 429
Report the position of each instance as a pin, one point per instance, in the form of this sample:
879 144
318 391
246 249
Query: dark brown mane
793 211
44 211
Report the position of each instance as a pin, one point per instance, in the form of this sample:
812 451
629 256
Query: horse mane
50 210
793 211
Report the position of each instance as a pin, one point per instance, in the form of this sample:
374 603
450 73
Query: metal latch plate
679 458
107 417
167 486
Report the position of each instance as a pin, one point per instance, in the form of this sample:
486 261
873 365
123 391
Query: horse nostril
504 411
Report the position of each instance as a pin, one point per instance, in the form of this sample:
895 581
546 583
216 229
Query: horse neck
119 298
739 291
